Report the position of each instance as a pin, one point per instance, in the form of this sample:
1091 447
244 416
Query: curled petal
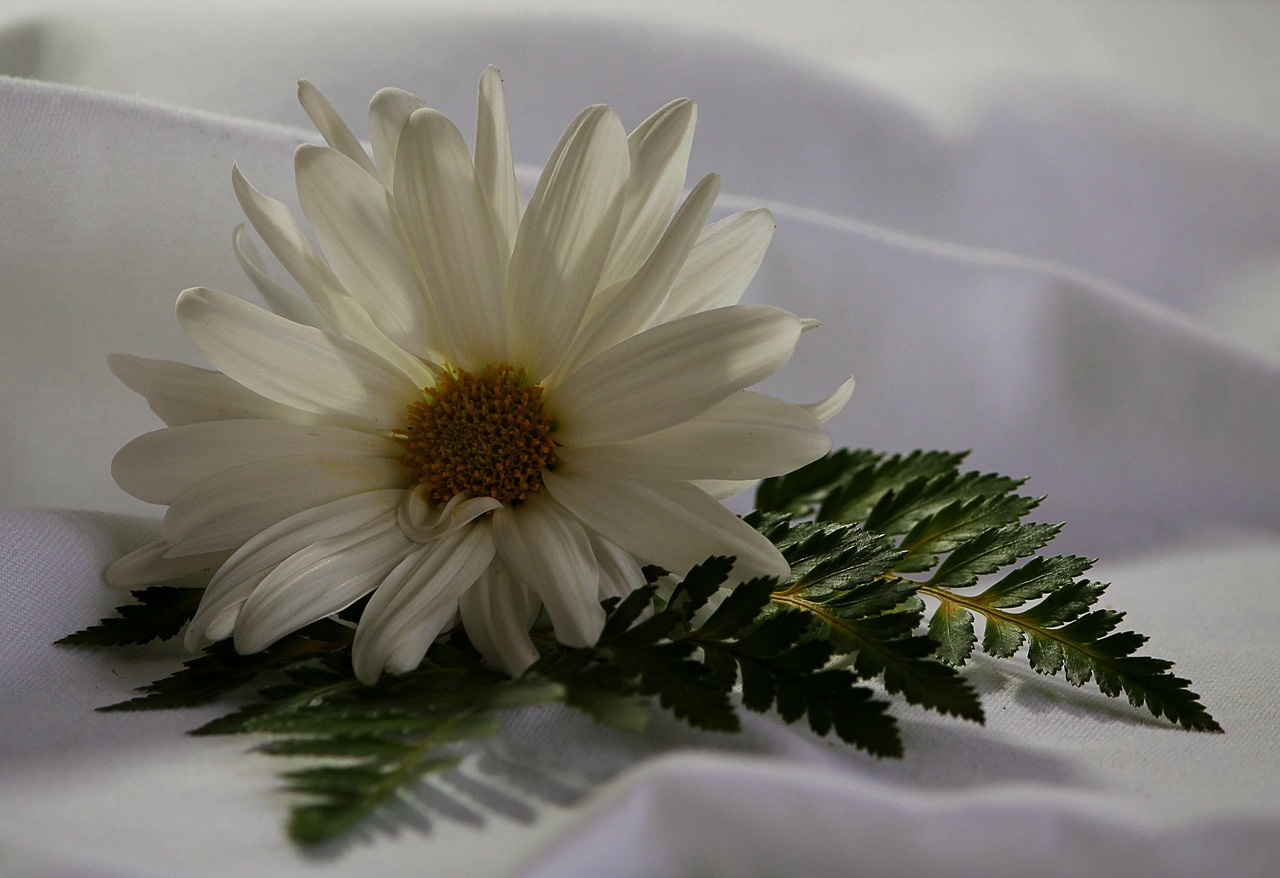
826 409
423 521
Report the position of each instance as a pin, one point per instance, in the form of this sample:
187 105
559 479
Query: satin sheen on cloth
1079 285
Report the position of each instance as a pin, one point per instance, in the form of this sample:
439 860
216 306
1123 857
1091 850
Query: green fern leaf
800 492
158 614
989 551
1063 634
959 521
839 580
856 495
888 530
779 667
220 669
921 502
951 628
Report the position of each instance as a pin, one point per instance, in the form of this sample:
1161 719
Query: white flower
484 408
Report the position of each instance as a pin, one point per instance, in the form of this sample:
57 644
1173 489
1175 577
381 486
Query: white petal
723 489
319 580
495 167
277 228
388 112
269 547
331 127
227 509
261 553
349 212
220 626
148 566
278 299
450 230
497 612
826 409
631 307
157 466
423 521
417 599
620 572
748 436
299 366
181 394
343 314
670 373
358 326
722 264
413 645
548 552
671 524
565 237
219 609
659 150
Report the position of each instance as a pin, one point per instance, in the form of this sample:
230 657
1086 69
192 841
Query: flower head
481 408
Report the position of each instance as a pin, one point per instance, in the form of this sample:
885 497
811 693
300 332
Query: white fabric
1127 357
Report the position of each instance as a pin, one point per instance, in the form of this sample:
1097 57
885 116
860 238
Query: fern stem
1016 619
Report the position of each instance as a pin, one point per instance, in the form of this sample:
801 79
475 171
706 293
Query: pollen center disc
479 435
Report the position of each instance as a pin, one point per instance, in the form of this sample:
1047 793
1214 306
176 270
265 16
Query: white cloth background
1050 234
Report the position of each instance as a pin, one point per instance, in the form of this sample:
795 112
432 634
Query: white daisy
484 408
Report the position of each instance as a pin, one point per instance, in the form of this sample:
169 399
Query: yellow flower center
479 436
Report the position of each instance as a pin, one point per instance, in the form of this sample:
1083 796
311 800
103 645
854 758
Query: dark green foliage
692 668
158 614
782 664
955 530
220 669
798 493
951 628
840 576
365 745
1062 633
890 536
